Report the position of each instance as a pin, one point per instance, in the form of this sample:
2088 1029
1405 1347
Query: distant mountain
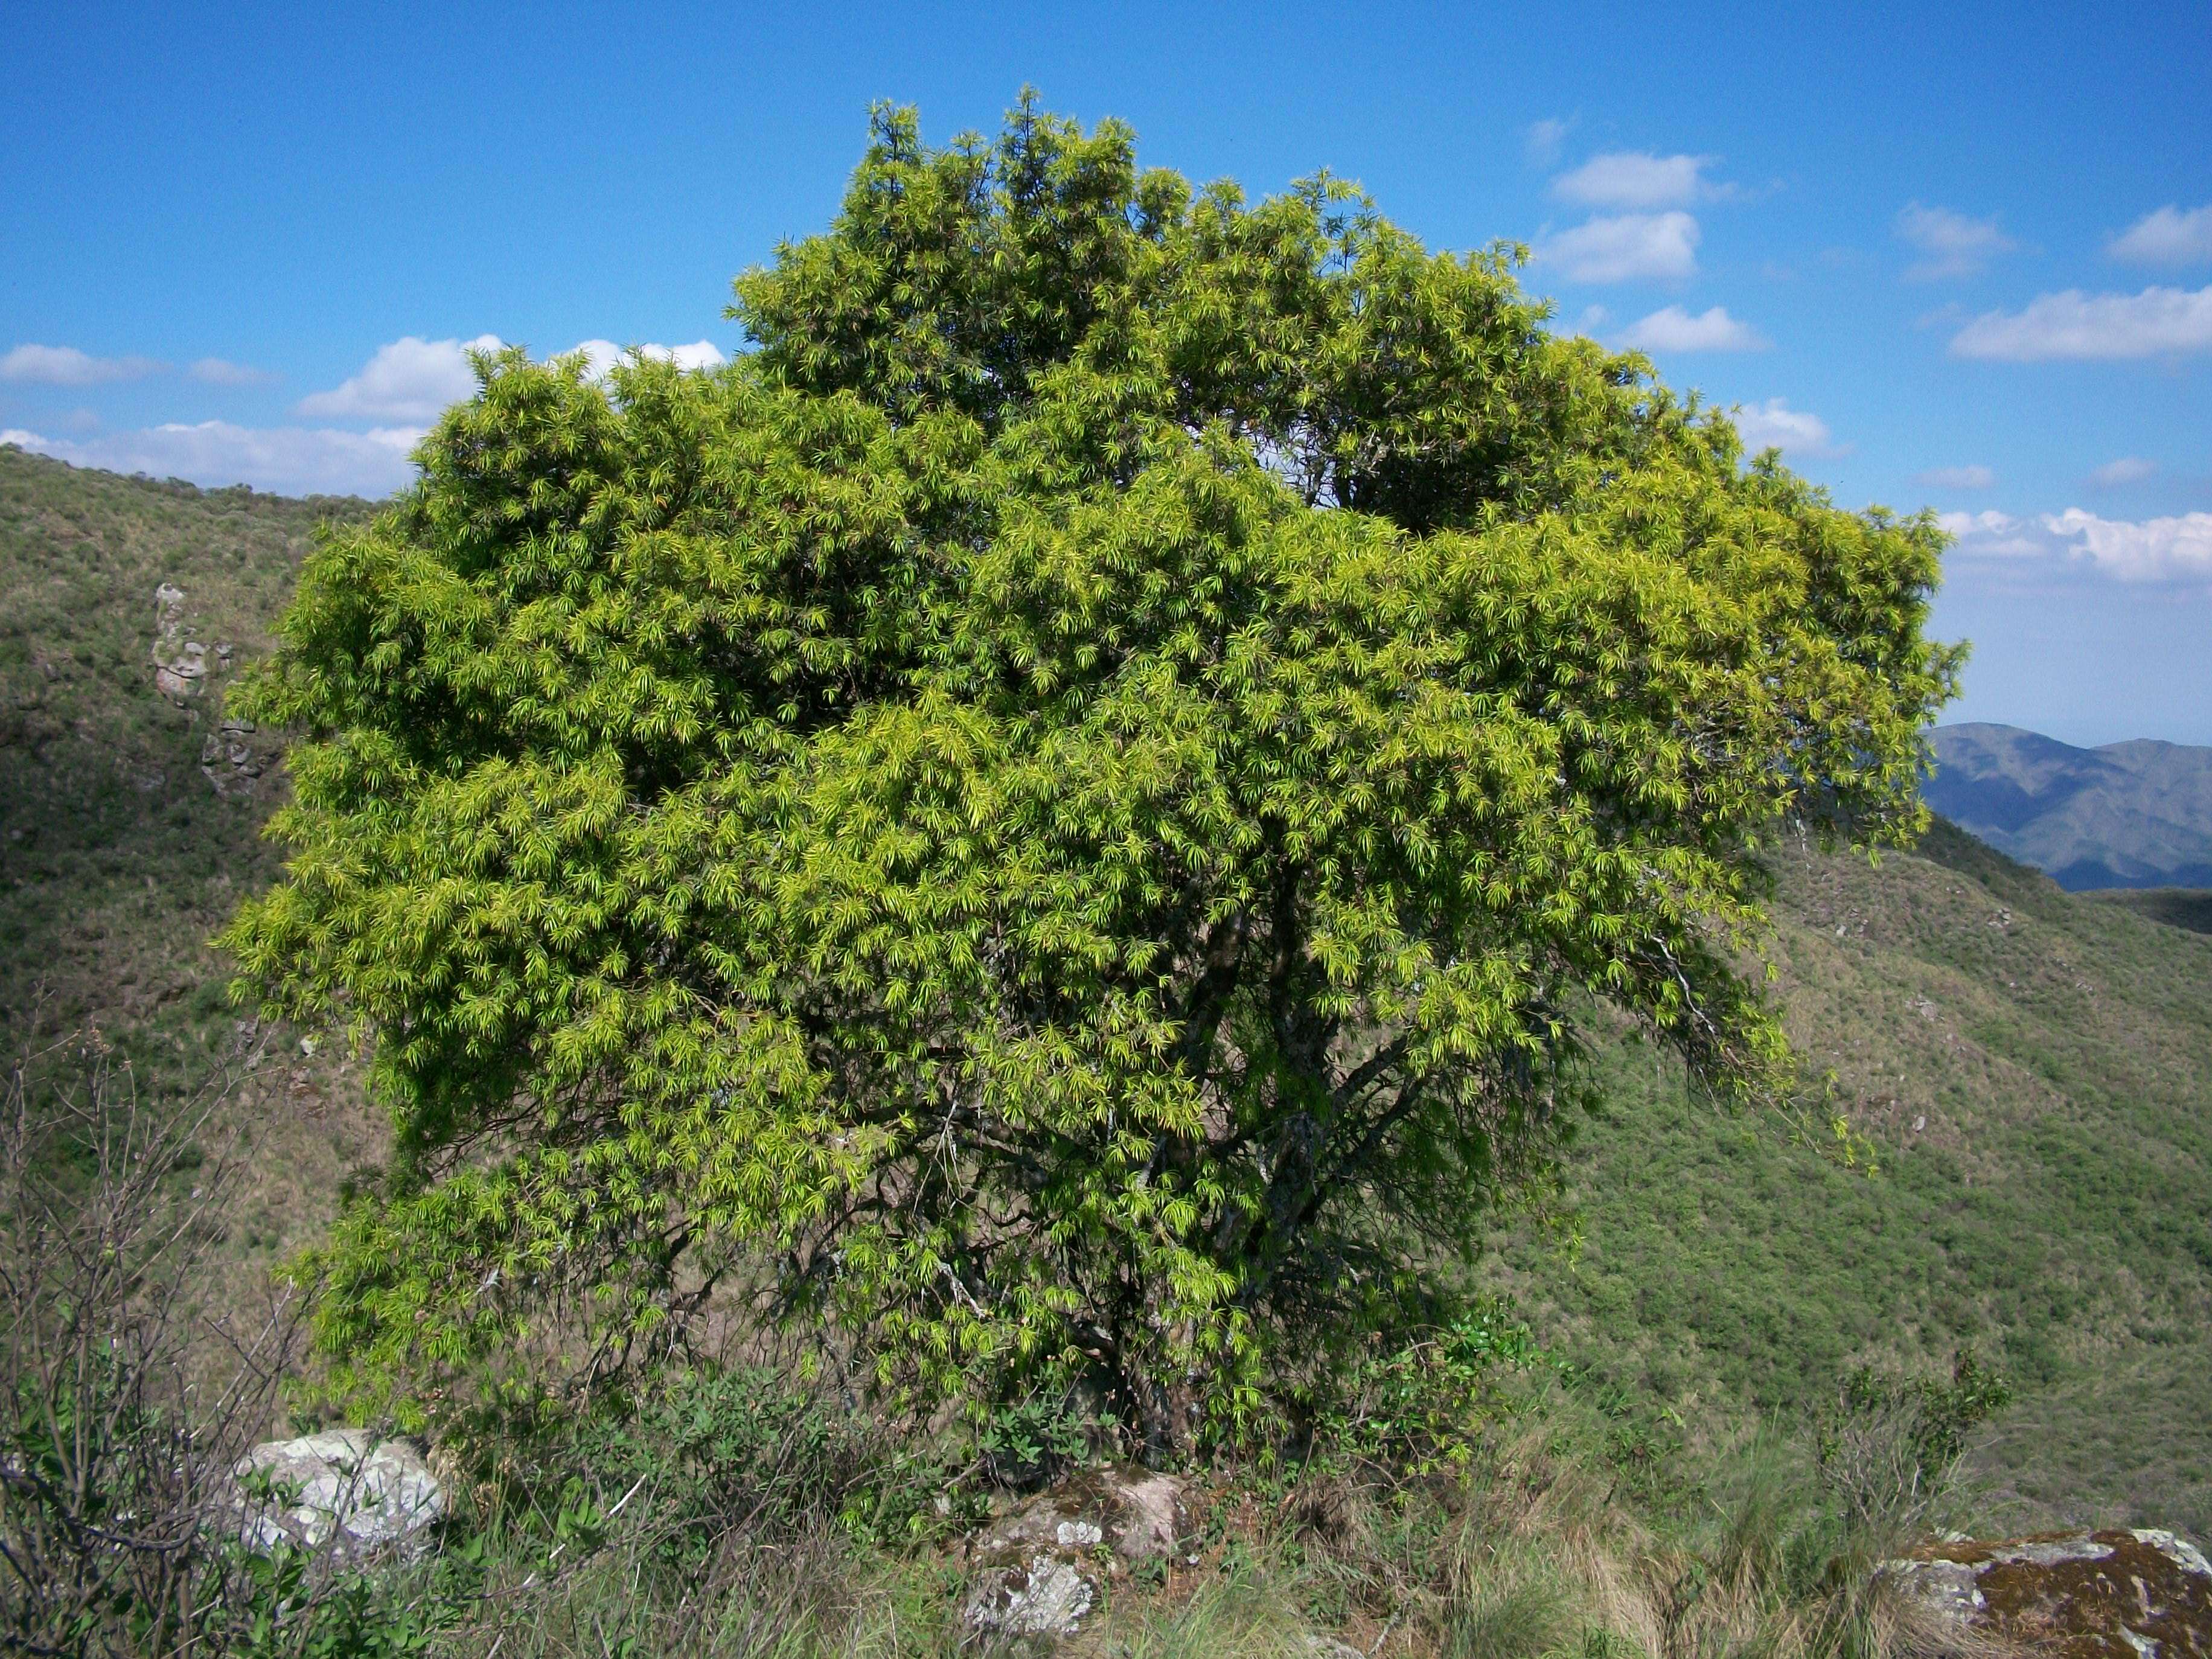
2124 815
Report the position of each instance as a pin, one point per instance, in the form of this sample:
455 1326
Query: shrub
1053 820
1890 1447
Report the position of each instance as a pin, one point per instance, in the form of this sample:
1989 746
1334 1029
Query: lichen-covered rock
1045 1596
1036 1572
177 681
231 763
1141 1515
346 1490
2144 1594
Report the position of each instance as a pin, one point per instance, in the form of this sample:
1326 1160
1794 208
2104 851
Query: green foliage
1911 1431
292 1606
1428 1403
709 1448
1058 816
1029 1442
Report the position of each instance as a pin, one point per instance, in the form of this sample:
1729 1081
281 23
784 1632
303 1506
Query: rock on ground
344 1489
2144 1594
1036 1572
1046 1597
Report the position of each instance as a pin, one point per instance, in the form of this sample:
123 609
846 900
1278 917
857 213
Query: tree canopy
1059 821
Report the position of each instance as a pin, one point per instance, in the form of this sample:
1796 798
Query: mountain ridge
2135 814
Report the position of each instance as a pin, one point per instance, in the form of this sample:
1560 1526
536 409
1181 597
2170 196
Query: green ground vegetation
2177 906
118 859
2008 1147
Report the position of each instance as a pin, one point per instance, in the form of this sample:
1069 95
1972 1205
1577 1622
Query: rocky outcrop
1047 1597
179 664
2108 1595
231 763
1037 1571
345 1490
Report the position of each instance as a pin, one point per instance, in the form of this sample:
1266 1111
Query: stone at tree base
2113 1594
1139 1513
1046 1597
347 1490
1037 1571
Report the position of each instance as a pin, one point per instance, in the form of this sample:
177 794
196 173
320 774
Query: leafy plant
1026 1442
1427 1404
1050 822
1892 1445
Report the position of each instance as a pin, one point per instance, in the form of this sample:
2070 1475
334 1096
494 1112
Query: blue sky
1948 256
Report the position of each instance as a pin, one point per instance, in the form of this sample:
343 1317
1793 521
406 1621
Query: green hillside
2177 906
2032 1071
119 854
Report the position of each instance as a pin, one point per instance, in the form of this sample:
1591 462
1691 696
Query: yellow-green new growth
1051 818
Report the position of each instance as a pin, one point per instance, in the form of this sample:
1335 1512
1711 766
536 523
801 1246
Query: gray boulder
1036 1572
2114 1593
1047 1596
344 1489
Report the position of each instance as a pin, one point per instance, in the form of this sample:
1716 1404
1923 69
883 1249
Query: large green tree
1052 821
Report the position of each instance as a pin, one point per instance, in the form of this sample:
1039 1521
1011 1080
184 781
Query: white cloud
1593 318
1775 425
1955 245
2167 237
1992 534
2129 469
45 365
220 371
405 386
2151 549
2154 549
603 354
293 460
2157 322
1623 247
1676 330
411 381
1637 179
1543 139
1955 478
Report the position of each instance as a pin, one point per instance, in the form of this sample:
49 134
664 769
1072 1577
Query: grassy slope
118 857
2056 1055
2051 1207
2177 906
